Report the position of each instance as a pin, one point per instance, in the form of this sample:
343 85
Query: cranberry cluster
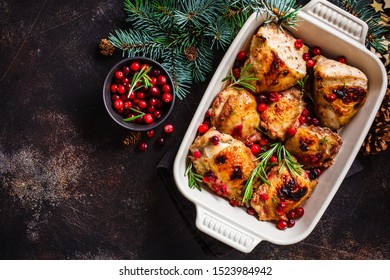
137 101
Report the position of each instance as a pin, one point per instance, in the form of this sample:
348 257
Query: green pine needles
181 34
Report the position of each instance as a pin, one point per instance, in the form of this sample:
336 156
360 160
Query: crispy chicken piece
274 60
348 84
234 112
281 115
224 162
272 202
314 146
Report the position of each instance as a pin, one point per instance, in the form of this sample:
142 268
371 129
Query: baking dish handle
338 19
217 227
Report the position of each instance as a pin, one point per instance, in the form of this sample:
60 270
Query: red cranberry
291 131
196 154
298 43
132 95
150 109
152 101
153 81
263 196
273 97
291 214
342 59
290 223
302 119
262 98
263 141
167 97
299 212
203 128
241 56
236 73
215 140
121 89
142 146
150 133
282 225
148 118
142 104
306 56
118 104
331 97
262 107
119 75
168 128
157 114
273 159
135 66
127 105
233 202
251 211
145 66
114 88
166 88
161 80
310 63
154 91
115 97
315 121
160 141
140 95
316 51
155 72
255 149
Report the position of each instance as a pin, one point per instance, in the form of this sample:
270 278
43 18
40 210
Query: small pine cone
379 136
131 138
106 48
191 53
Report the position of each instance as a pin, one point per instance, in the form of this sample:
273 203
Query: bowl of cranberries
138 93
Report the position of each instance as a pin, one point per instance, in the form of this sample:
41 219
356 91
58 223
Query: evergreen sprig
166 30
376 31
260 171
194 179
242 81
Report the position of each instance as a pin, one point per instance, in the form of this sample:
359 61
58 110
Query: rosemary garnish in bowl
139 115
194 179
139 80
241 81
260 171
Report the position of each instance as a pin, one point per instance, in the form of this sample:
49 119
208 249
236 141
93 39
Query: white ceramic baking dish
337 33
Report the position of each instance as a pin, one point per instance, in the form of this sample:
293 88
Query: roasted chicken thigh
274 60
284 113
314 146
224 162
234 112
340 91
285 192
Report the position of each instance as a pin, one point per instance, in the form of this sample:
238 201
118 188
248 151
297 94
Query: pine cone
191 53
106 48
131 137
379 134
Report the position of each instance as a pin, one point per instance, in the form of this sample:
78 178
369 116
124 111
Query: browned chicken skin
274 60
347 83
281 115
234 112
225 163
314 146
282 188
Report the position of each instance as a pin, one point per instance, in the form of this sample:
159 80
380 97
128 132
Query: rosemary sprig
140 115
139 80
194 179
260 171
242 81
302 85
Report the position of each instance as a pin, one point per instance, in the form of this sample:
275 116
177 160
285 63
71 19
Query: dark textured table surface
71 190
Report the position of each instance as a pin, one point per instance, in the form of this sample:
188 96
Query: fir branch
194 179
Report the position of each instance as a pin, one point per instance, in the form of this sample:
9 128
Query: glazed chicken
224 162
314 146
234 112
281 115
268 200
274 60
340 91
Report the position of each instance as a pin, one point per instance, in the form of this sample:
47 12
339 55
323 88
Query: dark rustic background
69 188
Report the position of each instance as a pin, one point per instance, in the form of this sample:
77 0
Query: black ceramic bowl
165 109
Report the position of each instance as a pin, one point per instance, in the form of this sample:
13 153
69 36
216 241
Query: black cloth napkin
212 247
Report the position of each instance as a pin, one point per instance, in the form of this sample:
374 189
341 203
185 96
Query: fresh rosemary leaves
194 179
139 115
139 80
242 81
260 171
